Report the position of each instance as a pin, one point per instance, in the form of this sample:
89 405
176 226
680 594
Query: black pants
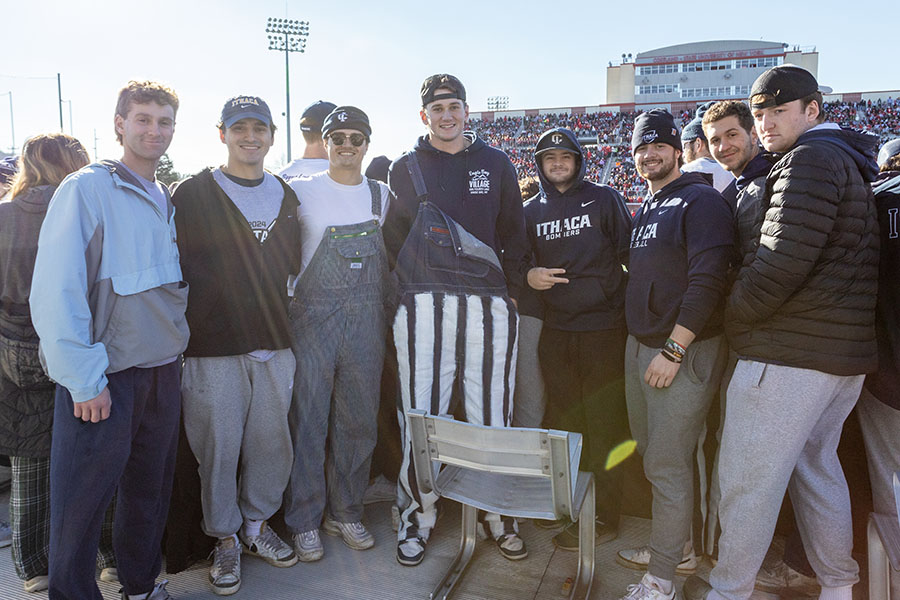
584 375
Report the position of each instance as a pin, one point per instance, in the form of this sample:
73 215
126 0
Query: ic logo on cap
556 138
649 136
342 117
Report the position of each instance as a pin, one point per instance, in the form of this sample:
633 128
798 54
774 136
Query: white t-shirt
303 166
325 202
721 177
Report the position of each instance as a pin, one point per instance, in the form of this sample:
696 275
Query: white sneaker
308 546
109 575
644 590
354 534
225 572
639 559
269 547
36 584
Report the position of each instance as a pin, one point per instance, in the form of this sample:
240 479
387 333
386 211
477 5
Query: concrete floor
345 574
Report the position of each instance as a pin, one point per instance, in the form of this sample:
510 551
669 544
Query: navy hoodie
885 383
585 231
681 244
476 187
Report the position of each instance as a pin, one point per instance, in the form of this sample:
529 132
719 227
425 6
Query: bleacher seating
517 136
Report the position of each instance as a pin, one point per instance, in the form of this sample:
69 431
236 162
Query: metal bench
527 473
884 549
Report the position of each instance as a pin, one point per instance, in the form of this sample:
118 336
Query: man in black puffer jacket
801 319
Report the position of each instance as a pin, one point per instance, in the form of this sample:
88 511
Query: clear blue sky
375 54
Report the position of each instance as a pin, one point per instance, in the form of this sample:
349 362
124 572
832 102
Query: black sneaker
567 539
410 552
549 523
511 546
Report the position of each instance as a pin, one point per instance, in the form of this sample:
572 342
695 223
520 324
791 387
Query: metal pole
287 93
59 95
12 125
71 126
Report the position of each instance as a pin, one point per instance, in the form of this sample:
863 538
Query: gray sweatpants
530 397
236 415
666 424
782 427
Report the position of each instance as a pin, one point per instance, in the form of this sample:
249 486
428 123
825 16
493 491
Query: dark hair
312 136
891 164
730 108
817 98
142 92
529 187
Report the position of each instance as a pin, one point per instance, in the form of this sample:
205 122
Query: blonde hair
46 160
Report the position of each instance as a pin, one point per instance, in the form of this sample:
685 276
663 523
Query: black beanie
656 126
346 117
694 129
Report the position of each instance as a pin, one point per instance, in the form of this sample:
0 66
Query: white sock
143 596
252 527
663 585
837 593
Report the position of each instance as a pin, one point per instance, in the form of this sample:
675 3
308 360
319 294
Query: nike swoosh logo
663 211
583 204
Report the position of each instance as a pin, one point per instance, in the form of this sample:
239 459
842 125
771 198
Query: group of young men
279 296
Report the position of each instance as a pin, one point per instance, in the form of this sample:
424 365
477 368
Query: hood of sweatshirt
36 199
861 147
548 188
758 166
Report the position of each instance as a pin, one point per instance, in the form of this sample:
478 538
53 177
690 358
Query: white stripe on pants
426 334
782 427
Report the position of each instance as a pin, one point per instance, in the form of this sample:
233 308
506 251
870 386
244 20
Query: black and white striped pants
444 340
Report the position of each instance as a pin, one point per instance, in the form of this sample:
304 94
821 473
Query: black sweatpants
584 375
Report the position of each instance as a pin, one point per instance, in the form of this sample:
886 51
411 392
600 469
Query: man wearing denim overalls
339 324
457 236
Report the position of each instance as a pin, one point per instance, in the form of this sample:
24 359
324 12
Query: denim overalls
339 325
455 325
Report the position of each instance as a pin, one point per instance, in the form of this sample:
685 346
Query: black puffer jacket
807 297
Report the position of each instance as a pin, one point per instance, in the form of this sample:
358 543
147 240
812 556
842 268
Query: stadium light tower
498 102
287 35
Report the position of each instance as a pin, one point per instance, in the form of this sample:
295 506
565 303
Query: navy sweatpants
134 450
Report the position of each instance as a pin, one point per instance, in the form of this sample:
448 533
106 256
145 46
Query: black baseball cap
245 107
314 115
557 138
441 80
780 85
347 117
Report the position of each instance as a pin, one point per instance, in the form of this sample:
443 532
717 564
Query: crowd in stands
518 135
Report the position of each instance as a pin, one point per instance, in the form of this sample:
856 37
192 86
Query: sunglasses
356 139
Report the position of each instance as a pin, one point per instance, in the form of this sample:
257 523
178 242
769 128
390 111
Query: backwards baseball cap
441 80
892 148
694 129
9 166
245 107
780 85
346 117
314 115
557 138
655 126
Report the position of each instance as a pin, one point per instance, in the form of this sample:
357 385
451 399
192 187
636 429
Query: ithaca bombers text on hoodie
681 245
477 188
585 231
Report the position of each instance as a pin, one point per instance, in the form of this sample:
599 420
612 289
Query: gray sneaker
308 546
5 534
639 559
225 572
269 547
157 593
354 534
780 578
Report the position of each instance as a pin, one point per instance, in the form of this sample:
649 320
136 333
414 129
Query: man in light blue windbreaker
108 304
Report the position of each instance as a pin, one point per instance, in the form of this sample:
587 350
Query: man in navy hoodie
801 317
456 239
579 234
681 244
